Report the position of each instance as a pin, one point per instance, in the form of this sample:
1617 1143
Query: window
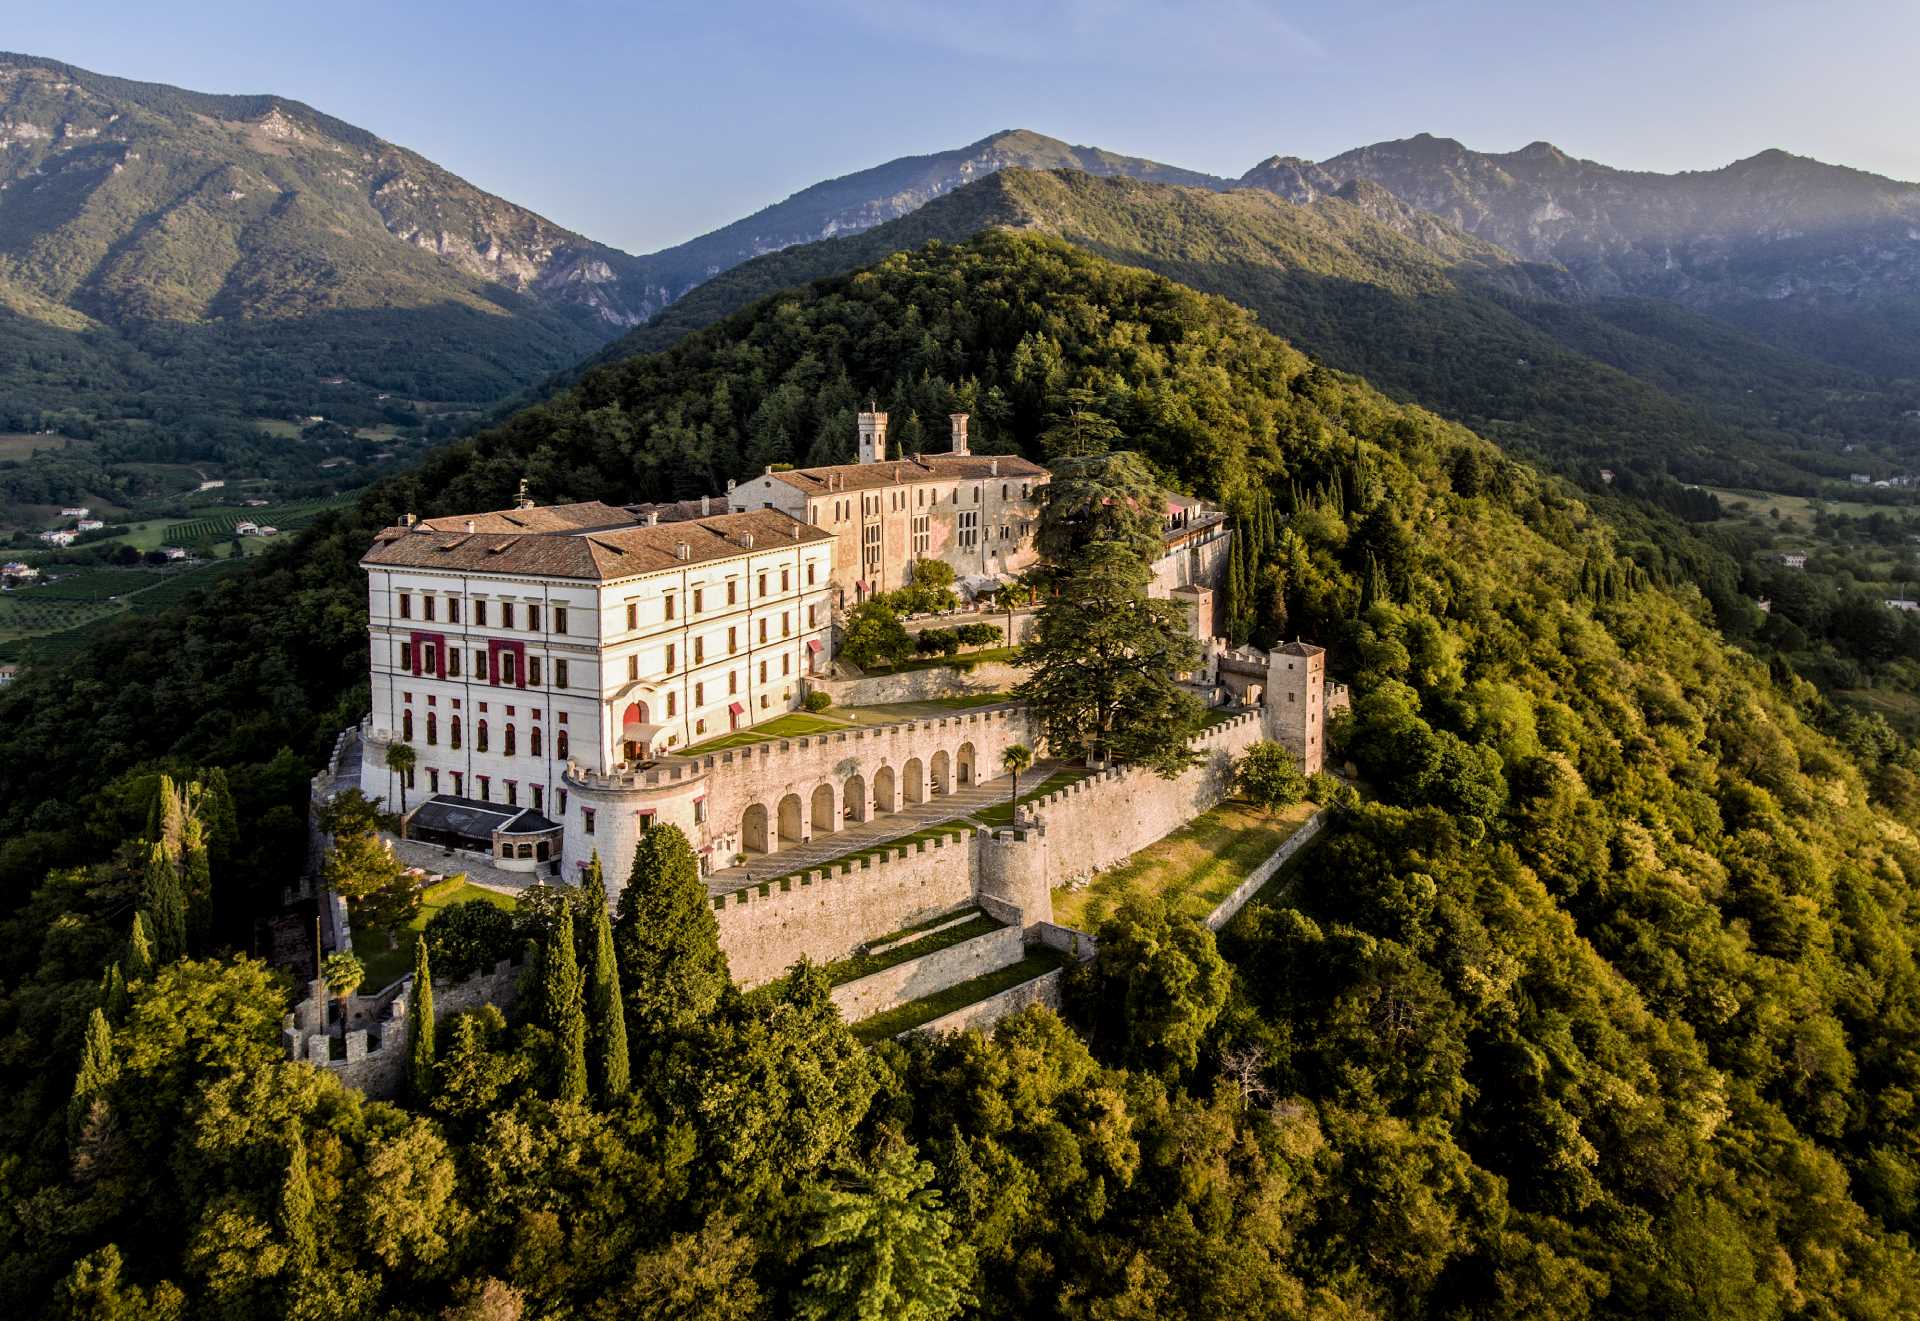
811 566
533 741
672 652
510 747
813 615
513 796
406 606
559 619
786 662
406 726
480 612
480 737
1003 490
539 797
699 694
560 745
669 599
533 618
922 536
533 670
969 535
870 549
786 582
406 655
453 609
454 732
486 788
633 668
559 674
763 629
976 495
699 811
433 780
646 821
733 682
763 671
699 599
733 592
763 584
563 801
426 607
699 650
479 663
633 615
507 664
453 662
733 640
671 704
459 784
506 614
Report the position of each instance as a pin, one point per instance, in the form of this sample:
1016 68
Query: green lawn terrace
387 953
1193 868
798 724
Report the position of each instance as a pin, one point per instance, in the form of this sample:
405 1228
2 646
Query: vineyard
218 525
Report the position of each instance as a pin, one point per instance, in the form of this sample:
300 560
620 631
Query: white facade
503 683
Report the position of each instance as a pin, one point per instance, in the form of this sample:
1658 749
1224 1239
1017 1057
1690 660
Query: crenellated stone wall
930 973
374 1048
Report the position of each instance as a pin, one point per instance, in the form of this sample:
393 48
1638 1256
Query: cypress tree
296 1209
166 906
97 1071
139 956
197 886
113 993
420 1026
606 1014
666 938
566 1015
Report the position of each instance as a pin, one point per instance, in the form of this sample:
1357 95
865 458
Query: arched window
480 736
510 741
433 729
406 726
533 745
455 740
560 745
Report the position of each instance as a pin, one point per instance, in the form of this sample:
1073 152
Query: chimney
407 520
521 500
746 540
993 467
653 518
959 421
706 505
682 551
469 525
873 436
729 486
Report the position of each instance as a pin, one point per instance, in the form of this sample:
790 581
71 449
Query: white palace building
548 665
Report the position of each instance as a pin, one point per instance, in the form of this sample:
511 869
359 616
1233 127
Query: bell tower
873 435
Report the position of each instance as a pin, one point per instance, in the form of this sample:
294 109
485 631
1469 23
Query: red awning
813 644
862 584
736 708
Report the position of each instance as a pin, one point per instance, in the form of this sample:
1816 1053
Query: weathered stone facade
374 1045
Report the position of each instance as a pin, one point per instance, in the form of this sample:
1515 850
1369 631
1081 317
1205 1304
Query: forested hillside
1607 1006
1439 318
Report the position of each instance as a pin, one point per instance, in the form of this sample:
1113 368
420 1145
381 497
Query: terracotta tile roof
541 518
589 552
1301 649
904 472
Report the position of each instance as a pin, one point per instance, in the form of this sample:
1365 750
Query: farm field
1797 509
20 445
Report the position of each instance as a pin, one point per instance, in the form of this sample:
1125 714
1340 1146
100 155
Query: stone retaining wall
1309 831
895 986
828 912
920 685
1047 989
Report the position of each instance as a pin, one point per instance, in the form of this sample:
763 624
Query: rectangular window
699 650
479 663
559 619
533 670
671 704
669 599
633 668
763 671
733 640
969 534
786 662
453 609
480 613
699 811
699 695
813 615
559 674
426 607
586 820
406 655
539 795
633 615
453 662
786 583
763 585
699 726
671 655
486 787
763 629
733 592
533 619
563 801
506 614
699 599
406 606
922 536
513 793
733 683
433 780
811 566
459 785
786 623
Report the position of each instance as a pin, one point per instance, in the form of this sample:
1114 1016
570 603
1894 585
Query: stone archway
753 830
942 773
792 826
963 766
913 782
883 790
822 816
853 797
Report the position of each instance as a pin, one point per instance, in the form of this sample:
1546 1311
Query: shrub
937 642
875 637
816 701
469 937
978 635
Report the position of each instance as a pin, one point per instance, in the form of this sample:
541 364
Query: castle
555 669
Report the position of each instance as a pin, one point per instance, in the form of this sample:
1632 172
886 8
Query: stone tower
959 421
1296 702
873 436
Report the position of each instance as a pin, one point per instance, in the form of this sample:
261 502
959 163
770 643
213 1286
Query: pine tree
666 938
97 1071
420 1026
606 1013
139 956
296 1211
166 906
566 1014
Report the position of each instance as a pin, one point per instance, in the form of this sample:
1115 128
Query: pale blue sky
642 124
